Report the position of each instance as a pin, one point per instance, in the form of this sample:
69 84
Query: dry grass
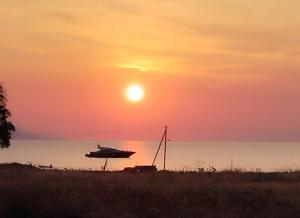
29 192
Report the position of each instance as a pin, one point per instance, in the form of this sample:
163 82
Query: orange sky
211 70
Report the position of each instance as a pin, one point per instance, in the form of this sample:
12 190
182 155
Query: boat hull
123 154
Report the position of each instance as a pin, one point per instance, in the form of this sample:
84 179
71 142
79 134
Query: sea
180 155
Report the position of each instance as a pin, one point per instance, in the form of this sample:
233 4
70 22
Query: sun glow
134 92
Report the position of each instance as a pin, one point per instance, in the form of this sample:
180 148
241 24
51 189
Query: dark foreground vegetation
29 192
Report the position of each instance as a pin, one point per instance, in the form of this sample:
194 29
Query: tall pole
165 153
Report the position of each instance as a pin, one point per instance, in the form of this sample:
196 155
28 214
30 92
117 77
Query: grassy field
30 192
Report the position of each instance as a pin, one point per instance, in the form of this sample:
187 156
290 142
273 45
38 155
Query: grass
29 192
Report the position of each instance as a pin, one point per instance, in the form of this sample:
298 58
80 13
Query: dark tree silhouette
6 127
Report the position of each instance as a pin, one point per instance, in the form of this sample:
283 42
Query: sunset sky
211 70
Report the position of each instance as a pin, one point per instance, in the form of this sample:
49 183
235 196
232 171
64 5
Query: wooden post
104 167
165 153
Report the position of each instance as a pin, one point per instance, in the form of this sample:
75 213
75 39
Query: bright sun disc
135 93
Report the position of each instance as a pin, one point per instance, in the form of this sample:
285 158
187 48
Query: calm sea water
180 155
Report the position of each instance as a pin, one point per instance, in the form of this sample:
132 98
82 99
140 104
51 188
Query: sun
134 92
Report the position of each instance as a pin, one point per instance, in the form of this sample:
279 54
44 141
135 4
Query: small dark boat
105 152
141 169
45 167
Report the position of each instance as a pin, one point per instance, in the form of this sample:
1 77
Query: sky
212 70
